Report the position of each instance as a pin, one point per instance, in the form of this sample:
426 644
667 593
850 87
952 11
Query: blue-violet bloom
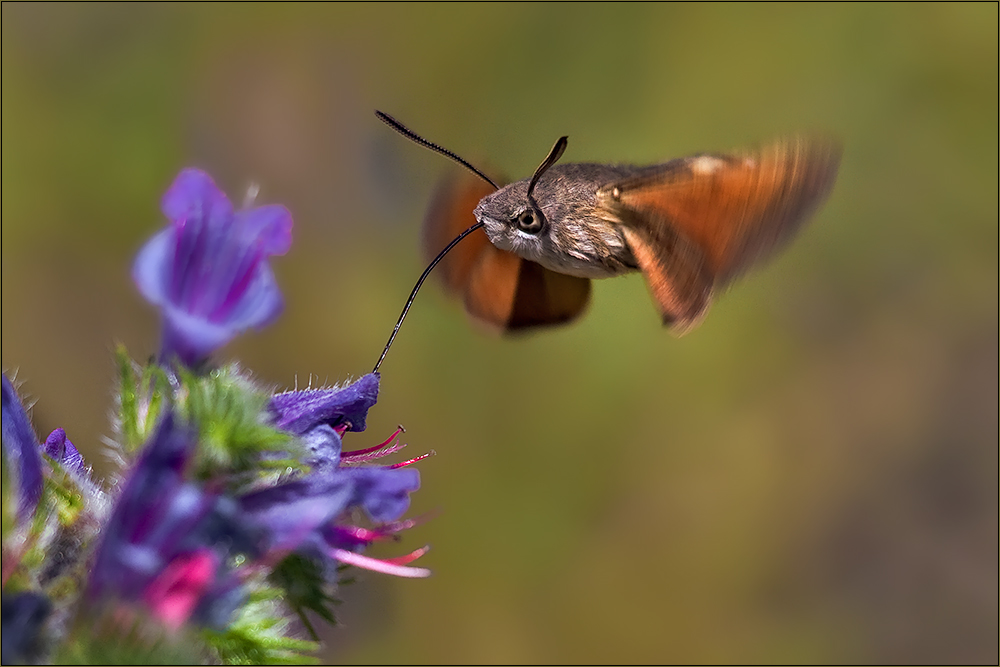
60 448
167 539
208 271
20 446
308 513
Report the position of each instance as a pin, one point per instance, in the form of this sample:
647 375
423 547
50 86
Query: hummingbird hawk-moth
690 226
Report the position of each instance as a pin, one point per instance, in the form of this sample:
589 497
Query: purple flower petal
59 447
21 449
189 337
291 512
194 195
208 271
260 302
299 411
272 224
324 446
151 271
384 493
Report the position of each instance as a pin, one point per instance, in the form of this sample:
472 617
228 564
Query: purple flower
289 512
320 417
59 447
383 492
208 271
166 538
21 449
308 513
298 412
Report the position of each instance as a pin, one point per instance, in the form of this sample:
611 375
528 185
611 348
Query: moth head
511 221
512 217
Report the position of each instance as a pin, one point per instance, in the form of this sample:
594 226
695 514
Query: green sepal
258 635
306 588
105 638
142 392
234 433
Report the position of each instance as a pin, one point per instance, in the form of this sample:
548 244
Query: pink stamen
388 441
353 459
376 565
341 429
412 461
410 557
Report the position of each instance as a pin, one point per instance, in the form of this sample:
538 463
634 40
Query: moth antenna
558 149
413 136
420 282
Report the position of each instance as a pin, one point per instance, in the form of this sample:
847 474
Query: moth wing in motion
498 287
697 223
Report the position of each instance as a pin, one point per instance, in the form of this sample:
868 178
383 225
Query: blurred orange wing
498 287
696 223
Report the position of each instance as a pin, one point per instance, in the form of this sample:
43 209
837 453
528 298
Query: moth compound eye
529 221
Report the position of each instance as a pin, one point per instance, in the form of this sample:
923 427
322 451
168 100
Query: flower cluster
237 508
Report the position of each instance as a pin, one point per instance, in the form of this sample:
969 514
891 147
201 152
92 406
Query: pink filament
403 464
408 558
354 458
388 441
377 565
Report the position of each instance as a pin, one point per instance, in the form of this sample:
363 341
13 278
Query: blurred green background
810 476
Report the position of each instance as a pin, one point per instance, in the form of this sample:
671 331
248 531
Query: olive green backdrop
810 476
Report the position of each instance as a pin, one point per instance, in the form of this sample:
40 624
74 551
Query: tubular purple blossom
21 449
59 447
208 271
303 511
306 513
166 536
